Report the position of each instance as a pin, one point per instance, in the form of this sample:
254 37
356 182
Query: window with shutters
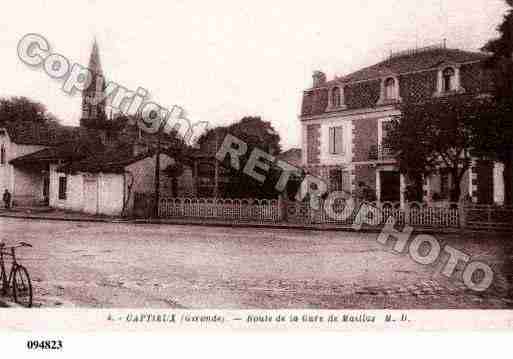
336 139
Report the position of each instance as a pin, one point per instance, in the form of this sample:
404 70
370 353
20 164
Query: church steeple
93 111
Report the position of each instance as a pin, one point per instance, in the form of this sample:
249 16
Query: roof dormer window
448 79
389 90
336 98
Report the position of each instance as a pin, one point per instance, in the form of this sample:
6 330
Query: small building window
390 92
336 138
448 78
386 128
335 97
2 155
62 187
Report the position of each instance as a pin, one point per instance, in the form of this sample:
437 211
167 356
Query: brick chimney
319 78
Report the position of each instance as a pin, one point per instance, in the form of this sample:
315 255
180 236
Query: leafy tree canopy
256 133
436 134
252 130
494 134
22 109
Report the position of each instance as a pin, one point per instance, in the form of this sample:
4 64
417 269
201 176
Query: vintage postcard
174 165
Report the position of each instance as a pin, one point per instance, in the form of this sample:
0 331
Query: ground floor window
62 187
339 180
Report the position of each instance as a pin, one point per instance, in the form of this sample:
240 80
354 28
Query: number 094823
44 344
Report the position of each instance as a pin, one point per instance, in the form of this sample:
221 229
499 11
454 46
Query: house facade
344 122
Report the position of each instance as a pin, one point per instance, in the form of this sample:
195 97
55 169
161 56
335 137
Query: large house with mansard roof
344 122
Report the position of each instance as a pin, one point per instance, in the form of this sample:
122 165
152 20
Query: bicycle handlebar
20 244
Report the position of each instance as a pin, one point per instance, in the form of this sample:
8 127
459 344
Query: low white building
28 184
106 184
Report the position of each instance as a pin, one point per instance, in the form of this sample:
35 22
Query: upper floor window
390 89
335 97
389 92
448 80
2 155
336 140
386 128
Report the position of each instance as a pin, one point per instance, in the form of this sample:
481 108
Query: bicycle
19 279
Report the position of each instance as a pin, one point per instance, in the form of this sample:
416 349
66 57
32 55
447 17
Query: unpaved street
132 265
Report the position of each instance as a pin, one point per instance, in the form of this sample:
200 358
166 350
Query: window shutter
346 181
332 140
339 140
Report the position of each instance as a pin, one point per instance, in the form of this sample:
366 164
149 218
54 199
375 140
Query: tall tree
256 133
22 109
499 125
432 135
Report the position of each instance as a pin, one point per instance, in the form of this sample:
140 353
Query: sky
223 60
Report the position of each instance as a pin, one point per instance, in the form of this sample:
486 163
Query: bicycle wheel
22 287
4 286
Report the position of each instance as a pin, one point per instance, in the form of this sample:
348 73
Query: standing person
7 199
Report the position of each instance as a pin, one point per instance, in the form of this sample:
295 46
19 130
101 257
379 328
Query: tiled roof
422 60
111 161
30 133
292 156
65 152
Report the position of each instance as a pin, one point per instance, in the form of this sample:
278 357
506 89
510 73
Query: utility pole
157 168
157 177
216 170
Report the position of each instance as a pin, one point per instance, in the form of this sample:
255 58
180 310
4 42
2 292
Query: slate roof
411 62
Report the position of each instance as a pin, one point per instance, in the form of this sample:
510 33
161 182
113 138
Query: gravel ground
160 266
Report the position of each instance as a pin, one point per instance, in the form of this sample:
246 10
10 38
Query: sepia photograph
319 165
